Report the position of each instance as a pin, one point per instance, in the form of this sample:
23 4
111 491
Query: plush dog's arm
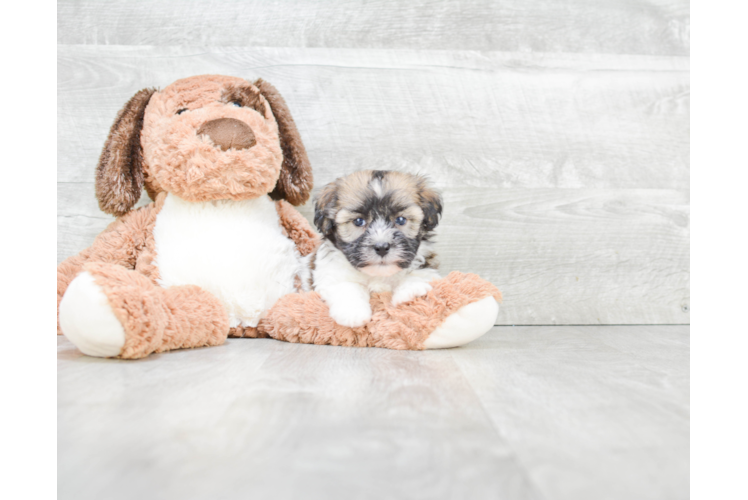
121 243
297 228
416 284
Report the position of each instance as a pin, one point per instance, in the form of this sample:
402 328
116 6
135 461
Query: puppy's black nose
228 133
382 248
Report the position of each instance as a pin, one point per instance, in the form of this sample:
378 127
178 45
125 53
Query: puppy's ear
324 209
430 202
295 181
119 174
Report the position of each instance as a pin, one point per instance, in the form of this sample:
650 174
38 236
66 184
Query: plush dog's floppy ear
119 174
324 209
430 202
295 181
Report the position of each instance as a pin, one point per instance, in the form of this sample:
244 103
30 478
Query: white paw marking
409 290
464 325
87 320
351 313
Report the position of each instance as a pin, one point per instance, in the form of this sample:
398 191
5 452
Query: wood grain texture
522 413
476 119
591 412
655 27
565 177
79 219
574 256
560 256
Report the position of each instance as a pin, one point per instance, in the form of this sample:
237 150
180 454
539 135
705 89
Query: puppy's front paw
409 291
350 313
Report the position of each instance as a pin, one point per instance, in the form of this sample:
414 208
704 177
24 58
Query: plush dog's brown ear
295 181
119 174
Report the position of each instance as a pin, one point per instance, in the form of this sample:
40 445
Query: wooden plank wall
557 131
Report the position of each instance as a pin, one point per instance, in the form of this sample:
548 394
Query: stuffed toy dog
219 251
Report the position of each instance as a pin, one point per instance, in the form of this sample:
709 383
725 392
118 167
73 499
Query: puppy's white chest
234 249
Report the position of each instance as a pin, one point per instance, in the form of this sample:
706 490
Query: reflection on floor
571 412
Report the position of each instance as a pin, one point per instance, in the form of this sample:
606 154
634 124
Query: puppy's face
211 137
378 219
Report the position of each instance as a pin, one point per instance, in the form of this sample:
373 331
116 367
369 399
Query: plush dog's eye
237 104
400 221
181 111
359 222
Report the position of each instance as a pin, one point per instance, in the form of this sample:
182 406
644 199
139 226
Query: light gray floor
551 412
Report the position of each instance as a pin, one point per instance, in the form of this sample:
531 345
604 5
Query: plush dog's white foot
88 321
465 325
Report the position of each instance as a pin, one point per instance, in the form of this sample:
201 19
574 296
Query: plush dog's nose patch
228 133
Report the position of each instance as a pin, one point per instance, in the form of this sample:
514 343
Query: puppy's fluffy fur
377 227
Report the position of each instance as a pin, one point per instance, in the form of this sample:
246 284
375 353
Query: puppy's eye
181 111
237 104
400 221
359 222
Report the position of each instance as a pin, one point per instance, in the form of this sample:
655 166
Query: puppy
377 227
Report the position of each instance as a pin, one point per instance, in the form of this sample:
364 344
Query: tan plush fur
305 318
175 159
181 162
159 319
296 227
127 242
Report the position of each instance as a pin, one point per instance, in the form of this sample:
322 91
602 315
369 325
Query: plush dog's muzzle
227 133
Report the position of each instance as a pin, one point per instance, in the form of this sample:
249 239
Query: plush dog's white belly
234 249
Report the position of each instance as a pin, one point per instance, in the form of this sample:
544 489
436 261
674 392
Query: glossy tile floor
572 412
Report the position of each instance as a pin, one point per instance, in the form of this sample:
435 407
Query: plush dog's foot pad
465 325
87 320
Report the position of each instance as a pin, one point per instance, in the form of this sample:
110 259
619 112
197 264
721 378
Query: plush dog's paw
464 325
350 313
87 320
409 291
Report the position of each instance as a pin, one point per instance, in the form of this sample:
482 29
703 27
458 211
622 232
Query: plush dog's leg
110 311
457 310
121 243
471 306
